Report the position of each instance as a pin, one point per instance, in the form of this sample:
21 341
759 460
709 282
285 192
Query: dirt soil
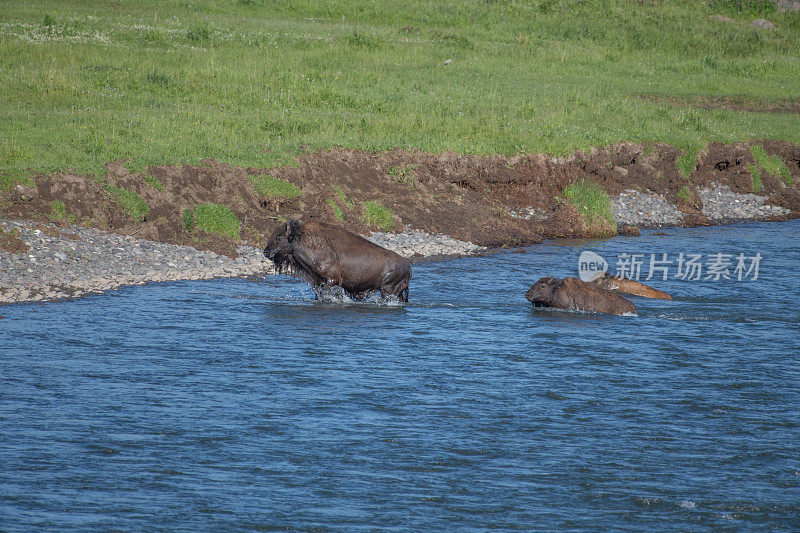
467 197
11 242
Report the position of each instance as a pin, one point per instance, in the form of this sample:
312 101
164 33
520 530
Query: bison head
542 291
279 246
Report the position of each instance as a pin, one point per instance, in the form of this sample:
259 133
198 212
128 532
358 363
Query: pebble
720 203
527 213
416 242
56 267
634 208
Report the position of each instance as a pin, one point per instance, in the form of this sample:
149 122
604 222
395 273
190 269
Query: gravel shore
634 208
420 243
720 203
62 263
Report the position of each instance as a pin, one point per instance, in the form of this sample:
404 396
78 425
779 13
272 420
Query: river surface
247 405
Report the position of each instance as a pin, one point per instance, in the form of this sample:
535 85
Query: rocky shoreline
69 262
65 263
721 204
415 243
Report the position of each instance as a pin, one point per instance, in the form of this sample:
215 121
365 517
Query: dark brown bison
629 286
572 293
327 256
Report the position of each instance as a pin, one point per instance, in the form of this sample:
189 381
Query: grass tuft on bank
772 164
254 83
154 182
593 205
377 215
133 204
337 211
755 177
687 161
214 218
272 187
58 211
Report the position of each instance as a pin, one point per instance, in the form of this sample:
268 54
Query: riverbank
42 261
490 201
65 234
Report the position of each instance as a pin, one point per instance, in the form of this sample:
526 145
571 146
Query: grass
751 8
216 218
272 187
772 164
343 197
377 215
58 211
687 162
132 203
401 171
153 182
404 174
593 205
187 220
337 211
255 83
755 177
684 193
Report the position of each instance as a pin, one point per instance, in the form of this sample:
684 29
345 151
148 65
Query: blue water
247 405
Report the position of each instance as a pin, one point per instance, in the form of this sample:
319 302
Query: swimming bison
613 283
327 256
572 293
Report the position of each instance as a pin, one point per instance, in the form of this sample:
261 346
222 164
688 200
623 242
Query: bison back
365 266
576 294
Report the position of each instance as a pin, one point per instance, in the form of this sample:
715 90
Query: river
247 405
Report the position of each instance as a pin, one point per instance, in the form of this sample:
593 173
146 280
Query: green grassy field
254 82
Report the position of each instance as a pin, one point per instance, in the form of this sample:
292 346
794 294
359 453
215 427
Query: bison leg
324 287
401 294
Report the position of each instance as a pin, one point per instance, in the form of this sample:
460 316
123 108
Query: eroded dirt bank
490 201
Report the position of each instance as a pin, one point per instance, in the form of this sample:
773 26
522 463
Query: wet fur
572 293
328 256
629 286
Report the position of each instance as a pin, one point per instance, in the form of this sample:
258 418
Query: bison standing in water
328 256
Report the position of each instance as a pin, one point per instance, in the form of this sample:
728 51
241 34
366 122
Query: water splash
336 294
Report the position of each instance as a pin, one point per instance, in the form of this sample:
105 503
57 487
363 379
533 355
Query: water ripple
229 404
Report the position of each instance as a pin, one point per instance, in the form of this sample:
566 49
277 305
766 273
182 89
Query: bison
327 256
572 293
629 286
